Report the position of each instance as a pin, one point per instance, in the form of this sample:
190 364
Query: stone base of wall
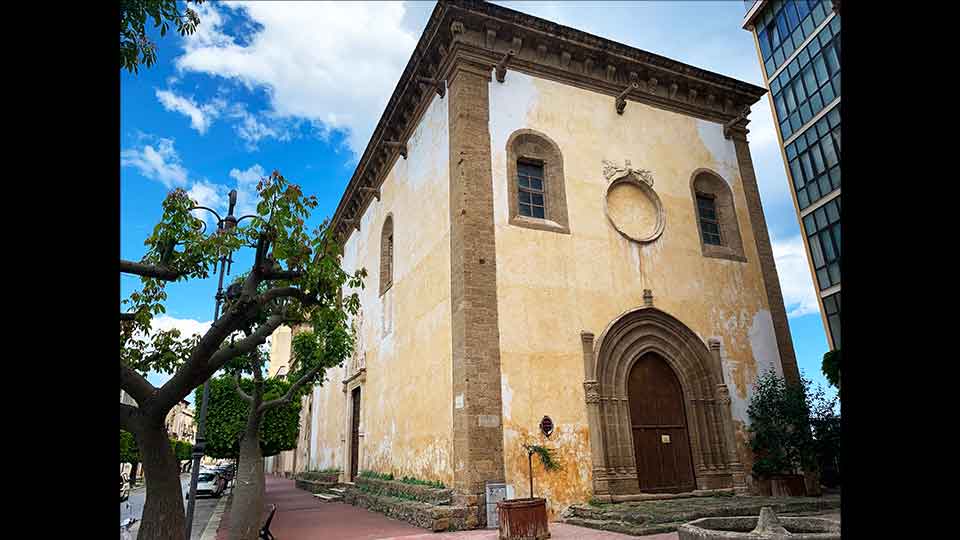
426 515
314 486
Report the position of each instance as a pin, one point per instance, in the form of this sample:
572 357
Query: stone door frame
349 385
607 366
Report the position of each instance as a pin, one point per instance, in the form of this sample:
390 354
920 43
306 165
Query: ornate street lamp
224 225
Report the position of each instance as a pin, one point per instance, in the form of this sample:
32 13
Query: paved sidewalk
301 516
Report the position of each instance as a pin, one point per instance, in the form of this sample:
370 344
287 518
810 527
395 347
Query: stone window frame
387 252
721 192
533 146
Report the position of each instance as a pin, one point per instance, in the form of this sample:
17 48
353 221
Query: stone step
338 491
327 497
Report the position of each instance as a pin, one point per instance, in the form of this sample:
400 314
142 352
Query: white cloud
334 64
201 116
796 282
161 163
187 327
252 130
247 188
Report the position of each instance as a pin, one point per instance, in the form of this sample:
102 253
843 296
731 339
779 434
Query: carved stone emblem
592 391
631 204
613 172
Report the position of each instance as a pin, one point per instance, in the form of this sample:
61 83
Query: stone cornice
482 34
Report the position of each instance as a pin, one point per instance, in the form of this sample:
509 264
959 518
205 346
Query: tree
327 344
831 368
135 47
295 279
825 423
227 414
779 413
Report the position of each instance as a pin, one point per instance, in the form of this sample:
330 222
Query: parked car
124 488
210 483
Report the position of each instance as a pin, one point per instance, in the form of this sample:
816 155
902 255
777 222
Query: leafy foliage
825 423
129 452
227 415
376 475
182 449
135 47
780 426
831 367
546 455
418 482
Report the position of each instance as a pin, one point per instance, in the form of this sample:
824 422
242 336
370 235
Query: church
557 226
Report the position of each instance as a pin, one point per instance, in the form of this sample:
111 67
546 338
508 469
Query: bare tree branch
136 385
282 274
292 390
148 270
203 363
287 292
236 381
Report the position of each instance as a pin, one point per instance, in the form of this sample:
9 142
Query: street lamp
224 225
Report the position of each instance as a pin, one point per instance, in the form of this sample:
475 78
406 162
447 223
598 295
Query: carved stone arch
709 422
709 183
535 147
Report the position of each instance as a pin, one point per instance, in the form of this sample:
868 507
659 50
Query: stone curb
210 531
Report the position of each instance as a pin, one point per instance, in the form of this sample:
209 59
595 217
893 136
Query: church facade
554 225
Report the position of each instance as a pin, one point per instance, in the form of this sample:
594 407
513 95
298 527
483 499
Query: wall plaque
546 426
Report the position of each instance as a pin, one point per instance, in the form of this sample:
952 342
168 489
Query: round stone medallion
634 209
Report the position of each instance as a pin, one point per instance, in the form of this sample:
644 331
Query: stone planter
523 519
782 485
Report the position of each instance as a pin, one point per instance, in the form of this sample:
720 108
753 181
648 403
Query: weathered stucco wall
405 335
552 286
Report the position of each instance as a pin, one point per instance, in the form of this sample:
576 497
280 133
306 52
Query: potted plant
526 519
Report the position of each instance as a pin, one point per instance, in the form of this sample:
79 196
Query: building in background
798 42
180 423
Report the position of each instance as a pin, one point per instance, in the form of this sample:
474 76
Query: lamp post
224 225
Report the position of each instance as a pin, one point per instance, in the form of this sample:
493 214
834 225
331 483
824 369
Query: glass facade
822 227
799 43
810 82
784 25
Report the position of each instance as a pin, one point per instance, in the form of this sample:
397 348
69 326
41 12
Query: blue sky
299 87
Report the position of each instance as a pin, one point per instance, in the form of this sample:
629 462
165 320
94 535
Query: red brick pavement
301 516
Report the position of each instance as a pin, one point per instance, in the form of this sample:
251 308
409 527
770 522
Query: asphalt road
133 507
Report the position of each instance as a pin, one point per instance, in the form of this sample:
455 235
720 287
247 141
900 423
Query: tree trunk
163 517
246 515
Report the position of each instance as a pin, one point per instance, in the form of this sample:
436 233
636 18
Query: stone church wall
405 334
552 285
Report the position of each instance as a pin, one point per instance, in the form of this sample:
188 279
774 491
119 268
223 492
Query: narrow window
709 224
386 255
531 192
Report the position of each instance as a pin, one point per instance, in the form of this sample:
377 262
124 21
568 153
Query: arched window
386 255
716 217
535 175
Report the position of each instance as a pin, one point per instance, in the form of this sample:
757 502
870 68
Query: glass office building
798 45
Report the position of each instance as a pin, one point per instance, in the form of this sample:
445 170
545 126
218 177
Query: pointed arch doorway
660 438
615 394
